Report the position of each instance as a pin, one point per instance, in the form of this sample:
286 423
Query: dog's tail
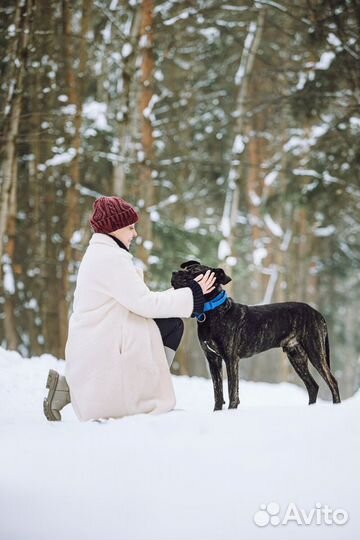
327 349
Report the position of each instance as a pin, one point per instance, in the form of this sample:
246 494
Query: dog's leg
215 365
319 355
299 361
232 368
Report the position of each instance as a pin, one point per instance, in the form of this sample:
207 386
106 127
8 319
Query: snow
153 259
32 304
293 143
238 145
334 40
225 224
154 216
187 474
183 65
328 178
89 192
76 237
171 199
310 187
231 261
259 254
254 198
148 110
233 8
59 159
270 178
224 249
302 80
96 111
9 282
325 231
11 30
346 249
325 60
182 15
306 172
286 240
274 274
355 122
275 228
89 132
318 131
126 50
144 41
239 75
211 34
106 33
191 223
148 245
299 143
250 36
69 109
270 3
158 75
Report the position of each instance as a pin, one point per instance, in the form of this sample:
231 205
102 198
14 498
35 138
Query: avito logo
319 515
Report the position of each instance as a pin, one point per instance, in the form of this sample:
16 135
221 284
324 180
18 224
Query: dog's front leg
232 369
215 365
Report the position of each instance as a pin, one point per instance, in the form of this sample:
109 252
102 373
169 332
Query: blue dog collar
212 304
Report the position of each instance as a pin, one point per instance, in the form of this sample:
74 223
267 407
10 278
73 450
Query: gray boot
170 353
58 395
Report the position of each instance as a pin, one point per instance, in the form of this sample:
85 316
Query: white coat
115 358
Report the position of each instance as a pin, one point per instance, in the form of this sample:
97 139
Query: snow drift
275 468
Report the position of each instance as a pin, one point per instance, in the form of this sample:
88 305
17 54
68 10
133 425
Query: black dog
229 331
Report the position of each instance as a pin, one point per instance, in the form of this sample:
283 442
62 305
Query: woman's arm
120 280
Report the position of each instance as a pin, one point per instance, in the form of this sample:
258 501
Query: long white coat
115 358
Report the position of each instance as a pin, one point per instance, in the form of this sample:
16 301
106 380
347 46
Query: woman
122 337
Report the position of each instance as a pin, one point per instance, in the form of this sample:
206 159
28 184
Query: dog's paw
233 404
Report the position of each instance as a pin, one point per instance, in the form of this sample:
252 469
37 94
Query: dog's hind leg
232 368
299 361
319 355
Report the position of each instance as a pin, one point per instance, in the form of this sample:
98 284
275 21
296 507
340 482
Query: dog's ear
188 264
221 277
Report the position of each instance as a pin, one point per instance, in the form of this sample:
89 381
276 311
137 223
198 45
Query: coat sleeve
123 283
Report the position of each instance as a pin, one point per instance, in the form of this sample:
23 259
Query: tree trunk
8 170
75 87
126 142
145 184
242 78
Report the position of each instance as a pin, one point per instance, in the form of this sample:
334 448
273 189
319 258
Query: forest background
233 127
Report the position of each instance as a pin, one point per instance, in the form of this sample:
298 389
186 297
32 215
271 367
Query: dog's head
192 269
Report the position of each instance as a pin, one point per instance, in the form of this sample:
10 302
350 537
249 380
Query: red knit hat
112 213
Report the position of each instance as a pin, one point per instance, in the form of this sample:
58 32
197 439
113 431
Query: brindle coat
233 331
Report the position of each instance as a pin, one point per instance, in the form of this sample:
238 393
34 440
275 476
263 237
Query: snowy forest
233 128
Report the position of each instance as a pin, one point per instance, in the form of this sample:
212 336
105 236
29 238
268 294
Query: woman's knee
174 338
171 330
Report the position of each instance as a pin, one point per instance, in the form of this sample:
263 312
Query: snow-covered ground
261 472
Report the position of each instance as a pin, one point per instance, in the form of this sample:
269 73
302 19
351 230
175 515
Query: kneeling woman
122 337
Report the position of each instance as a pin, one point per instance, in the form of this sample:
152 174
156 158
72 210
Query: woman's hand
206 281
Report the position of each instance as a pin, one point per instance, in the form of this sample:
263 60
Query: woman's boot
170 353
58 395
